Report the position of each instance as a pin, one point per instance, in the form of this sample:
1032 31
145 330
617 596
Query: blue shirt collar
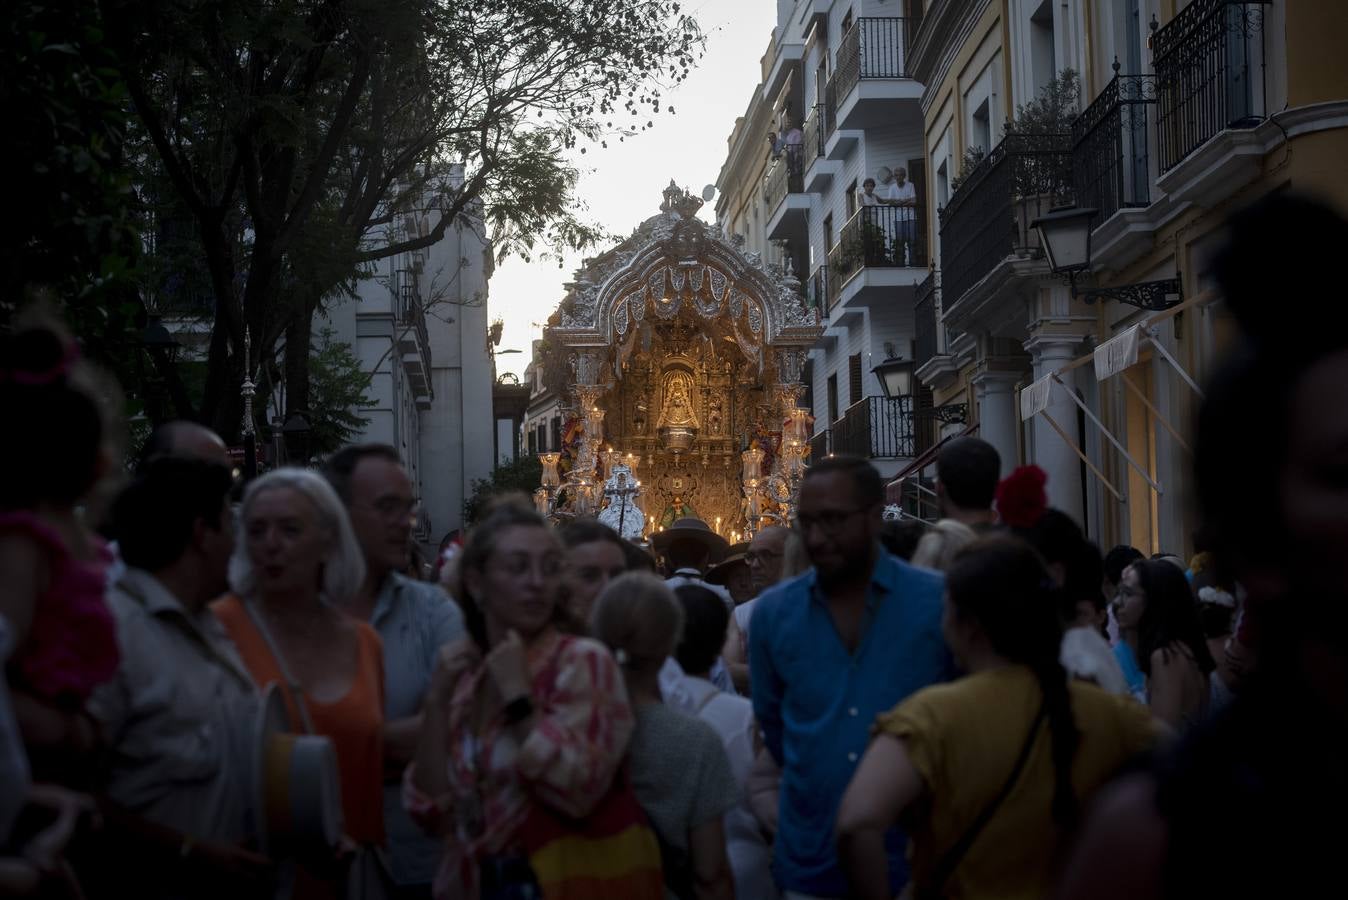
884 577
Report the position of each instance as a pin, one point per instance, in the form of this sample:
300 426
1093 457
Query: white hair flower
1216 596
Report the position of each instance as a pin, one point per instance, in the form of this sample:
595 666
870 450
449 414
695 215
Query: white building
837 71
420 325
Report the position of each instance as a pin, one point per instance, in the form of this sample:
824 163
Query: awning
1112 358
1035 400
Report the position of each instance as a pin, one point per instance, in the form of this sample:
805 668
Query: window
1042 52
854 392
851 198
533 441
828 231
980 134
847 21
833 397
556 433
942 185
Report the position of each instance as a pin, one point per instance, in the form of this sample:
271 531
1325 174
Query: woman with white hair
294 567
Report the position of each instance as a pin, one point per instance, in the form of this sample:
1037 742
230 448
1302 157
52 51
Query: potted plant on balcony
1039 138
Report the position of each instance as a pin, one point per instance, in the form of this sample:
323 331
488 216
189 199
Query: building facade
419 325
839 95
1187 112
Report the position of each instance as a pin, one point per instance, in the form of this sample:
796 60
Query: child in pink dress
52 566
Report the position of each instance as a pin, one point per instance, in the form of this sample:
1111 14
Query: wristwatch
519 709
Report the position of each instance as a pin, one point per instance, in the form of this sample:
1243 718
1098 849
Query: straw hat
299 796
694 529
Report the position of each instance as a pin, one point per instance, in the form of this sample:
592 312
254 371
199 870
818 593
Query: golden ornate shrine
685 355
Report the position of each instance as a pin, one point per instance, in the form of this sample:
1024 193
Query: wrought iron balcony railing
877 236
872 48
784 176
410 313
816 291
1110 165
876 428
925 325
1209 63
830 107
815 133
989 217
821 445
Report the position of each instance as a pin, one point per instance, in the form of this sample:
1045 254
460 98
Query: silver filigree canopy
675 256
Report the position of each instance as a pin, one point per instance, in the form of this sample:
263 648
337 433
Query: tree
524 474
338 383
295 132
71 230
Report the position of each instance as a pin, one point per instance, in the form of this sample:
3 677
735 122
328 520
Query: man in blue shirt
828 651
414 620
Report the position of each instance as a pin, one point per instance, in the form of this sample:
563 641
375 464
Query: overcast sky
622 183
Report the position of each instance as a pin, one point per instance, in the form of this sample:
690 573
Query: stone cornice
936 43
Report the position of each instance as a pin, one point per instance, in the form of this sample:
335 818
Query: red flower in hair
1021 498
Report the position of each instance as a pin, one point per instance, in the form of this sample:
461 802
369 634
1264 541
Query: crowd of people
215 689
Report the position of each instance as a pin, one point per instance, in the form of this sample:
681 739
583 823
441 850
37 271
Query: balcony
989 218
414 342
816 289
819 169
872 72
821 445
784 194
1209 63
1110 160
876 428
877 238
925 322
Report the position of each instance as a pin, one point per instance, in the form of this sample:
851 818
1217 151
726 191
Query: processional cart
682 356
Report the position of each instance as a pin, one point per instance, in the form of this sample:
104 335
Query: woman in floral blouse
520 719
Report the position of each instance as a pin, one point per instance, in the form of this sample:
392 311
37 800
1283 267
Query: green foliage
337 392
292 133
70 232
968 162
524 474
1053 110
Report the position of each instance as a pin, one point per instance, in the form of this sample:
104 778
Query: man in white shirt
689 546
901 193
177 717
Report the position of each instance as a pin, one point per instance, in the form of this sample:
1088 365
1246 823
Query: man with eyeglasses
766 553
414 619
828 652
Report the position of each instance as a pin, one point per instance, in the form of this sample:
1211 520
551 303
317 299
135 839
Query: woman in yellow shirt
987 772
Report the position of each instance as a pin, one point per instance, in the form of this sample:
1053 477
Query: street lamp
1065 235
895 374
295 433
156 337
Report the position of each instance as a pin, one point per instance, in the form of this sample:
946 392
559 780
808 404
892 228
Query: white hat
299 794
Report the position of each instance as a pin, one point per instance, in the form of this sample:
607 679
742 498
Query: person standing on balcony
901 193
867 195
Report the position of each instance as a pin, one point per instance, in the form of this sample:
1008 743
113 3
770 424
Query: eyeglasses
754 557
394 507
830 522
519 565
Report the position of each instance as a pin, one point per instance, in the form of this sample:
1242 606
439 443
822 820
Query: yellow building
1187 112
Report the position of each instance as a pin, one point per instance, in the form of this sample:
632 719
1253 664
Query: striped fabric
612 854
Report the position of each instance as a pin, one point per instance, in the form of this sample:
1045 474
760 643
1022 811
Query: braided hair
1001 584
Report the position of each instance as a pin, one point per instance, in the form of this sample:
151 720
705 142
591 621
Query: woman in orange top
296 564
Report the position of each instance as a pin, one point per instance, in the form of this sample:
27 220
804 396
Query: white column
1050 452
996 396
